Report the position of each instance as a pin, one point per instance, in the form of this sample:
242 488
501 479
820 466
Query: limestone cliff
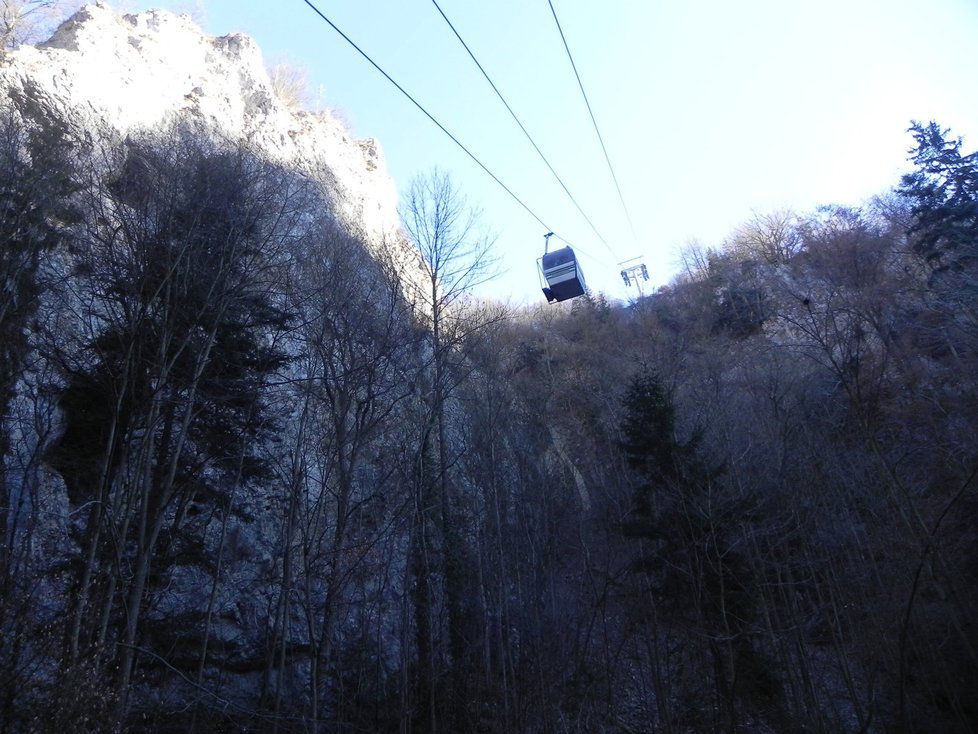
119 74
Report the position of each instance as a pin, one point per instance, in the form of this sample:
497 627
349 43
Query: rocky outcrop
118 74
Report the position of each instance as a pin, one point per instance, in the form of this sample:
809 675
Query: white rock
109 72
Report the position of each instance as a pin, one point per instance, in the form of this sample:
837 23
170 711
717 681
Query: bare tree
30 21
769 238
693 260
356 341
37 182
456 257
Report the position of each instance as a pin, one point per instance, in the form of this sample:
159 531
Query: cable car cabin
563 275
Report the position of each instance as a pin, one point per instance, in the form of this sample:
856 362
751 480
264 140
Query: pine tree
943 191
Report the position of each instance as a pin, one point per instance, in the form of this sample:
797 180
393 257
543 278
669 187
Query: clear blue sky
710 109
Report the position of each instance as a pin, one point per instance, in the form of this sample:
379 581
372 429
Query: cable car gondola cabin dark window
563 275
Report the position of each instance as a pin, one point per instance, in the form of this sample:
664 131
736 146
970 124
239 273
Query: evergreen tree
665 464
165 410
943 191
696 576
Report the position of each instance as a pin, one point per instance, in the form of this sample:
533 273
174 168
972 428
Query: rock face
112 82
124 73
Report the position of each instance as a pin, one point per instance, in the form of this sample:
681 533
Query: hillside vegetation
248 485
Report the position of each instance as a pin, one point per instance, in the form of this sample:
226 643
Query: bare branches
30 21
457 253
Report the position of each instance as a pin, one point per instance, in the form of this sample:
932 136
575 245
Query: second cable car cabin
562 273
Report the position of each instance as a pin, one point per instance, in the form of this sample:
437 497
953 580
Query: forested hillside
262 474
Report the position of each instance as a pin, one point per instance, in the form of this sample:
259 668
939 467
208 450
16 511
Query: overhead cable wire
593 121
427 114
518 122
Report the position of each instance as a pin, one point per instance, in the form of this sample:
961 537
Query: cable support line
518 122
593 121
431 117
